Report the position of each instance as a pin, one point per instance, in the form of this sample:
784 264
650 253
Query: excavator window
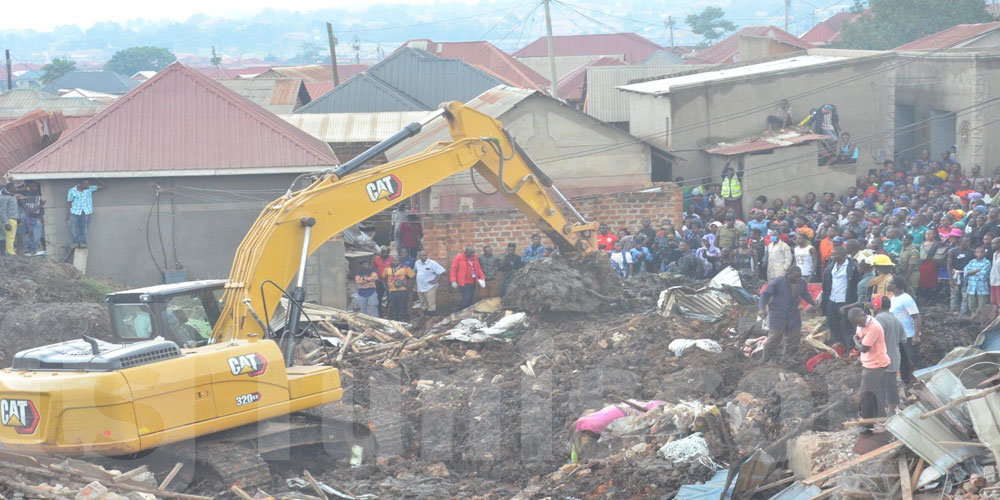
187 318
132 321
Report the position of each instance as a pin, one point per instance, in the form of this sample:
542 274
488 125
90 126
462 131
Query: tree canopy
885 24
58 67
710 24
128 61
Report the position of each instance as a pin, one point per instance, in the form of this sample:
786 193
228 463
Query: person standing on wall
80 209
732 192
8 216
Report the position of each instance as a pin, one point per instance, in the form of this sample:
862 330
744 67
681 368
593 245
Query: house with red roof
573 51
959 36
828 31
750 44
573 86
487 57
185 161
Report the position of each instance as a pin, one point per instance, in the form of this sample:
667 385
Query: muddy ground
493 420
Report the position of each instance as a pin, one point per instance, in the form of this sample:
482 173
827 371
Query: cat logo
19 414
248 364
388 187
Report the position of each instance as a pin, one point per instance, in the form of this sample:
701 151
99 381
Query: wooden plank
240 493
825 493
904 478
919 469
170 477
130 474
833 471
315 486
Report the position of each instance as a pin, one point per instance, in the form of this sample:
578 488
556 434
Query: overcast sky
52 13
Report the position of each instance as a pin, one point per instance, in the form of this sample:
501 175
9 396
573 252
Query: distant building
19 102
581 154
207 157
487 57
749 44
573 86
141 76
574 51
828 31
314 72
350 134
277 95
408 80
606 103
107 82
960 36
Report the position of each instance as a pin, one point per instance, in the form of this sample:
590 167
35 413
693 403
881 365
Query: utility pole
333 53
552 52
670 26
788 5
10 74
357 49
216 61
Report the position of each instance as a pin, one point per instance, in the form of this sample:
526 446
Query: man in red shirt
379 264
605 238
465 273
870 341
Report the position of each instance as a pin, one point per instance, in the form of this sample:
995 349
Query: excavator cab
184 313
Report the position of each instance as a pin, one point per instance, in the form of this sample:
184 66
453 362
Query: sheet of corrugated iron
181 120
764 144
605 102
353 127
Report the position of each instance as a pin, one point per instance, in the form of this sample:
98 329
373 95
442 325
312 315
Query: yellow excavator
197 358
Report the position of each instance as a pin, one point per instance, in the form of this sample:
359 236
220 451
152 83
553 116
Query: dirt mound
31 279
555 284
942 331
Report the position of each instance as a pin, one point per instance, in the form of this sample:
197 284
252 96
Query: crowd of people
910 233
22 216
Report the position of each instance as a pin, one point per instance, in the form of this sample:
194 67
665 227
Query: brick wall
446 234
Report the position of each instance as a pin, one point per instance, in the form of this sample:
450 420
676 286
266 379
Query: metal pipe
406 132
569 205
305 255
266 329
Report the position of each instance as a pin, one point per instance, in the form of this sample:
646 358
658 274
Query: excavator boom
308 218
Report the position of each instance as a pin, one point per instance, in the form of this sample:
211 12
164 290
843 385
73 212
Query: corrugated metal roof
659 87
108 82
828 31
486 56
213 72
727 50
493 102
277 95
353 127
22 138
572 85
319 72
180 120
408 80
764 144
634 47
956 36
17 102
316 89
605 102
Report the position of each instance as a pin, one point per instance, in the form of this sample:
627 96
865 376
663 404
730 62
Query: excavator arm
291 228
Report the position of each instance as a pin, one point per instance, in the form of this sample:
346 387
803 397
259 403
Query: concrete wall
609 159
754 48
788 171
205 219
951 82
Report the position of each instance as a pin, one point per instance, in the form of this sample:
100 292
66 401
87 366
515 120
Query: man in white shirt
840 285
428 272
906 311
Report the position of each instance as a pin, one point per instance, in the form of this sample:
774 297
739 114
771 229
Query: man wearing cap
840 287
958 257
870 342
779 304
894 337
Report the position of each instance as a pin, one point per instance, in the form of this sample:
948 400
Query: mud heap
43 302
556 284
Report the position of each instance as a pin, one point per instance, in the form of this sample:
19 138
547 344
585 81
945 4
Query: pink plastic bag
596 422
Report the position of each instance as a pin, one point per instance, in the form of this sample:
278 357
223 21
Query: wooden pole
333 53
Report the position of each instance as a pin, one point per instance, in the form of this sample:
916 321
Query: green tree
885 24
128 61
58 67
710 24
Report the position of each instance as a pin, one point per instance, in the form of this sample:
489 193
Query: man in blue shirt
535 251
779 304
79 210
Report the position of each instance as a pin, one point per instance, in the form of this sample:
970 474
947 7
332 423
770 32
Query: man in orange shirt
826 246
870 341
